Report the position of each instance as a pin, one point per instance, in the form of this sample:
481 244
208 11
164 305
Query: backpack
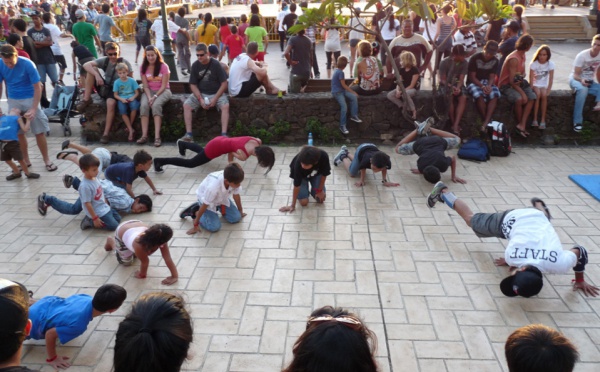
474 149
500 144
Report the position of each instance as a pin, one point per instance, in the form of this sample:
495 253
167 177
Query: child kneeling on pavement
136 239
98 214
213 195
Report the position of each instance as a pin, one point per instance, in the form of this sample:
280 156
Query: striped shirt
467 40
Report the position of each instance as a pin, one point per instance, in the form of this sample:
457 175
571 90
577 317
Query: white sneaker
355 119
340 156
344 130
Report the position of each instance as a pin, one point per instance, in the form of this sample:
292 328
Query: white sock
449 198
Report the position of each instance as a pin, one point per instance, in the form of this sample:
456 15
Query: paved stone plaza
418 277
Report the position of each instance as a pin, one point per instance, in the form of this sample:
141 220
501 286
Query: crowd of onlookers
157 331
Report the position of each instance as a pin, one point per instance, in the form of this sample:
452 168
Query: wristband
155 96
196 224
52 359
318 191
577 280
95 218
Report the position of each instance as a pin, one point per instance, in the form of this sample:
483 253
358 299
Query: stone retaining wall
381 118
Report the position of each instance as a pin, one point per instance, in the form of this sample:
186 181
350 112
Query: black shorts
82 62
249 87
115 158
62 62
354 42
10 151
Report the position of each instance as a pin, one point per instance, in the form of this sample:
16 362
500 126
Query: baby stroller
62 106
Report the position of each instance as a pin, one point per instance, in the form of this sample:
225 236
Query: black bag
104 91
500 144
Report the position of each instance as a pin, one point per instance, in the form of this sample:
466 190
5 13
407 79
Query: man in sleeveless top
298 53
514 86
246 75
415 43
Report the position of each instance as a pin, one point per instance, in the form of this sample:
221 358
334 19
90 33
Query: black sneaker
68 181
184 72
181 144
86 223
190 211
157 167
436 194
41 204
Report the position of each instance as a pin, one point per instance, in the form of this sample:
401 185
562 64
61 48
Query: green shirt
84 33
257 34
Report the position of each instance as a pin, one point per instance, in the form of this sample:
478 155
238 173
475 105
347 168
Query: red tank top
224 145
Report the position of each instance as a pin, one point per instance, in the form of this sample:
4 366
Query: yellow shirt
209 36
57 9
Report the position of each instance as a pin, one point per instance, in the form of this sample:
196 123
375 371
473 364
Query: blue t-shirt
19 79
336 84
123 173
90 191
70 316
125 89
105 24
9 127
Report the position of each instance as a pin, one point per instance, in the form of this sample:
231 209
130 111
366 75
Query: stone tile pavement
419 277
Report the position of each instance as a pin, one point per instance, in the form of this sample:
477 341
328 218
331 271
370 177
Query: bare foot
110 244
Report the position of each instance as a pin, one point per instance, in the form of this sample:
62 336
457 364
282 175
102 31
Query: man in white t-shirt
56 34
157 28
409 41
533 245
582 81
279 24
246 75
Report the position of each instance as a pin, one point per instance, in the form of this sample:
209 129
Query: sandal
104 140
51 167
542 125
142 140
523 133
157 142
63 154
534 124
65 144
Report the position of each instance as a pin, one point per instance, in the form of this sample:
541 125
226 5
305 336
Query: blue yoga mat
588 182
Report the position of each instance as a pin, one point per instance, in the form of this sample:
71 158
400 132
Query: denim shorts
125 107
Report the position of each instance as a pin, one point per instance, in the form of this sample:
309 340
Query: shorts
124 108
10 151
407 148
513 96
250 86
116 158
39 124
354 42
488 225
192 101
104 156
62 62
477 92
297 82
82 62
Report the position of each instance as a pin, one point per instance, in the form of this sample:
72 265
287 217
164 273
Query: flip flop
63 154
65 144
523 133
51 167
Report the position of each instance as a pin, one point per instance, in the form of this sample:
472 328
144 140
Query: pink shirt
155 82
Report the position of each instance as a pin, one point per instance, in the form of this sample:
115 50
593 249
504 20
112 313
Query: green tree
469 11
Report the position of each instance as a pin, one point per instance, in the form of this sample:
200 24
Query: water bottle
310 139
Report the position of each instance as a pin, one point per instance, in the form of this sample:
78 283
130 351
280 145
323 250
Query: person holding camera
515 87
582 81
104 84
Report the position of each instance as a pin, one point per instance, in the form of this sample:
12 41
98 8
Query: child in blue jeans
341 92
126 93
213 195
